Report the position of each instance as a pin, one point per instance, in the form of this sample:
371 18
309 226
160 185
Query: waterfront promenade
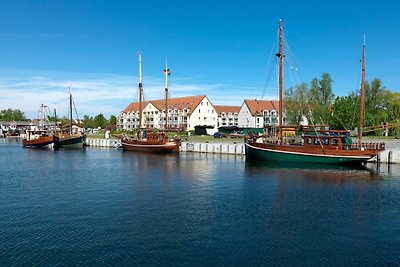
390 155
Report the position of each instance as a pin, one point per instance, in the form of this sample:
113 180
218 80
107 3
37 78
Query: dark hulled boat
67 138
318 146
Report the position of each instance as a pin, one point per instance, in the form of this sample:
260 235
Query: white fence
216 148
98 142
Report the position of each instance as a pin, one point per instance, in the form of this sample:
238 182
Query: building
258 113
183 112
128 119
227 115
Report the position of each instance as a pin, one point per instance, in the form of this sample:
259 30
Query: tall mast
55 120
280 56
140 95
166 71
362 93
70 110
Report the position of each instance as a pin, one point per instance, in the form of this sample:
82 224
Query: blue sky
218 48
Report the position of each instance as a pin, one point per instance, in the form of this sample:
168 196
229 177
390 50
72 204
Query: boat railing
364 146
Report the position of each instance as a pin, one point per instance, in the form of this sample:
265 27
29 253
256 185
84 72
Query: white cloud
101 93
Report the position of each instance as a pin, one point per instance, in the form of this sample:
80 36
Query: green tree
113 120
393 106
296 103
100 121
321 98
12 114
375 105
345 112
88 122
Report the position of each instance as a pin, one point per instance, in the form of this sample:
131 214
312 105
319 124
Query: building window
199 111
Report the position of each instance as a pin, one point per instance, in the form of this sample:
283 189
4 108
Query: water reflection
318 173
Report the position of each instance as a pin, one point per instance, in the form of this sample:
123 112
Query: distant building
258 113
183 112
227 115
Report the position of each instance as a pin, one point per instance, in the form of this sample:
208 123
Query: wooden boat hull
292 153
72 141
156 147
44 141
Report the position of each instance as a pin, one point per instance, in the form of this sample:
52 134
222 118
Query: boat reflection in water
324 173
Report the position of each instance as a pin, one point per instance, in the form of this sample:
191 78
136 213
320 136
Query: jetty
390 155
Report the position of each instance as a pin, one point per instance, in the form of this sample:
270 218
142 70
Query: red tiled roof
188 102
227 109
259 106
134 107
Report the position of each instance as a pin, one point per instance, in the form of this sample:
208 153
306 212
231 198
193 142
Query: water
108 207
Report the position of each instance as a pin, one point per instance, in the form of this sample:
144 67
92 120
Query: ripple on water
108 207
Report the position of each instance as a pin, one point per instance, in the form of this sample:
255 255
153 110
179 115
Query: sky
222 49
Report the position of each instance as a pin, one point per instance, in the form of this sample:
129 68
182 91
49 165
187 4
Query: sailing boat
40 135
318 145
150 141
68 138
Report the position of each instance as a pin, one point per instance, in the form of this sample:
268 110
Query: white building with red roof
258 113
183 112
227 115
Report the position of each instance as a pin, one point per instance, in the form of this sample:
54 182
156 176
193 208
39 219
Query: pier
390 155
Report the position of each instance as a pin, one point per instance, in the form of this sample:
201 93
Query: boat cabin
335 139
35 134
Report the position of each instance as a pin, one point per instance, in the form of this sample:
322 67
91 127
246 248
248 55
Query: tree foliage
100 121
88 122
12 114
296 103
380 105
345 112
321 98
113 120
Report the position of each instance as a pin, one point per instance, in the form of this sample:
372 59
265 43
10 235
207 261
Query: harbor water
109 207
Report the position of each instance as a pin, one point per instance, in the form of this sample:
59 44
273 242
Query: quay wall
100 142
390 155
216 148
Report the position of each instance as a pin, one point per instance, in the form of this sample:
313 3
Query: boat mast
280 56
166 71
55 120
140 95
362 93
70 110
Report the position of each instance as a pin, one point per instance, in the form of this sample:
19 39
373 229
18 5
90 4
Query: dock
390 155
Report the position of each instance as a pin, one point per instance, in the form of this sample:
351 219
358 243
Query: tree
345 112
393 106
113 120
321 98
296 103
88 122
100 121
12 114
375 106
